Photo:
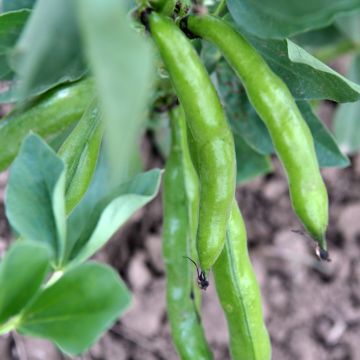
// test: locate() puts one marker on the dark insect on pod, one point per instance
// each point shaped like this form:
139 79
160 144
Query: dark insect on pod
202 281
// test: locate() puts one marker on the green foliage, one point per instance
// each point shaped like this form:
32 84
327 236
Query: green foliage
38 63
20 283
35 203
280 19
123 70
77 308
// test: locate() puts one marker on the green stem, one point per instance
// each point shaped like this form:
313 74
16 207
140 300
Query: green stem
334 51
221 8
10 325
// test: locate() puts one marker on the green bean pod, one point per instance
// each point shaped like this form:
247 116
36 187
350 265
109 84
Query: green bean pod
52 112
275 105
180 203
80 153
239 295
215 155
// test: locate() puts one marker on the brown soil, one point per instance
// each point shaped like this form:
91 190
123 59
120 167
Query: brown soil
312 309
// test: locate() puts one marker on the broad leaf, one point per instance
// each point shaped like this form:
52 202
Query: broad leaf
90 227
49 49
280 19
11 5
250 163
347 117
11 25
307 77
327 150
121 61
34 202
22 272
78 308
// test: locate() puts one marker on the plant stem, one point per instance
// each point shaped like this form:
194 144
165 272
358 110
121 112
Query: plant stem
220 8
10 325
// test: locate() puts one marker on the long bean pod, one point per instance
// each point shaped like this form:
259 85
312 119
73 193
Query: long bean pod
180 203
275 105
215 155
239 295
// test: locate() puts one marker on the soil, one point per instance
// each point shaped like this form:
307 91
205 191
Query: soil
312 309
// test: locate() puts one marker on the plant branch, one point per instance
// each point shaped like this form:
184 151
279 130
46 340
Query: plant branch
221 8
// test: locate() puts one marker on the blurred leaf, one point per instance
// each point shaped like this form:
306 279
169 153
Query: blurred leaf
350 26
327 150
90 227
210 55
22 272
346 123
250 164
34 201
161 133
307 77
121 61
11 5
279 19
78 308
11 25
49 50
320 37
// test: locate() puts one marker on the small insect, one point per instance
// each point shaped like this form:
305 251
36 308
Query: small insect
202 282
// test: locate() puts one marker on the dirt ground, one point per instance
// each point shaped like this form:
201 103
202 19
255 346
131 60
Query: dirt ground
312 309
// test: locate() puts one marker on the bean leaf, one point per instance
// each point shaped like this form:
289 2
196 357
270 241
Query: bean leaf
22 272
78 308
280 19
35 204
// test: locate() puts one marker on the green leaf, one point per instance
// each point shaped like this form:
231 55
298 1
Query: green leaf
11 25
78 308
307 77
280 19
327 150
121 61
250 164
34 201
350 26
49 49
22 272
346 123
90 227
11 5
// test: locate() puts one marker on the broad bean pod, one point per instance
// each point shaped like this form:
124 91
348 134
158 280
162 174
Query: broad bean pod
51 113
239 295
180 204
214 145
80 152
275 105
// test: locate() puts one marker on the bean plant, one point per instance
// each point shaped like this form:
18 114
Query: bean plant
222 87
